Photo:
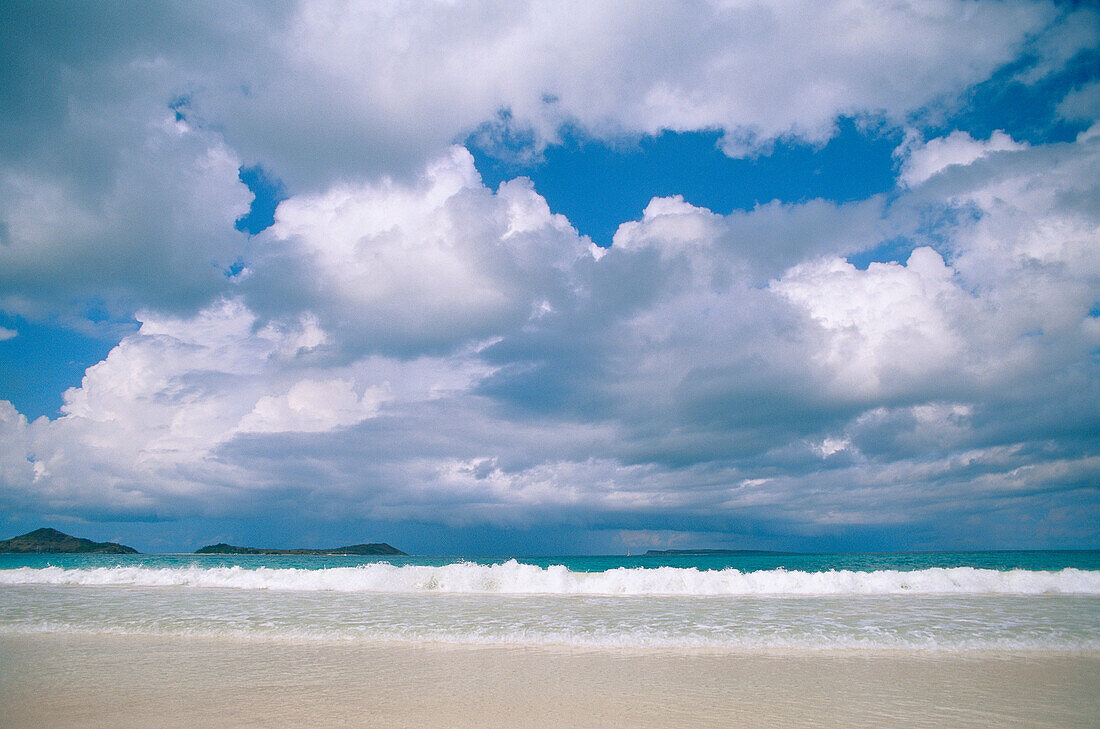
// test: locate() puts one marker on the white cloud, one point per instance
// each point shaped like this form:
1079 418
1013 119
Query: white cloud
922 161
886 326
400 81
671 221
1082 103
156 231
666 377
175 389
1076 31
422 266
15 468
410 344
398 84
152 420
1030 254
6 334
107 196
831 446
312 406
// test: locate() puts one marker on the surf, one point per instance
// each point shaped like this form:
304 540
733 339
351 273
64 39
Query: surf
514 577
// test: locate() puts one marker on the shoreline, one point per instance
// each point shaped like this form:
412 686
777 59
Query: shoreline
84 680
734 652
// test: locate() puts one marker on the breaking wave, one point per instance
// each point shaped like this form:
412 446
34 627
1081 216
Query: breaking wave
513 577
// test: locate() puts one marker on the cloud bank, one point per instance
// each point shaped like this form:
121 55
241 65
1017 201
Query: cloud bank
406 344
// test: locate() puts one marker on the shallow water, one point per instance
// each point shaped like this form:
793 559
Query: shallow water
1034 602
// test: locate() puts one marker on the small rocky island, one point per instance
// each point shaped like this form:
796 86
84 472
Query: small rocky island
51 541
353 549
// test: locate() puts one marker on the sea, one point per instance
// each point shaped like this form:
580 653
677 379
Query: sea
1038 601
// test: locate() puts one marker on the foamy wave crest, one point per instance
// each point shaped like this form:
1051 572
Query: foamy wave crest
514 577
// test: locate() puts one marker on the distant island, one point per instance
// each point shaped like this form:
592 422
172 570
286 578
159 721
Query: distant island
354 549
707 552
51 541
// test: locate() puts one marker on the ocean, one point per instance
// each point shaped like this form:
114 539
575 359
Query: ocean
947 602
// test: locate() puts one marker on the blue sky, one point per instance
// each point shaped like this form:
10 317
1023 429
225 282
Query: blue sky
518 278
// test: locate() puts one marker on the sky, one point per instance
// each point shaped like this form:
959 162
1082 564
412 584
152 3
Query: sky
507 277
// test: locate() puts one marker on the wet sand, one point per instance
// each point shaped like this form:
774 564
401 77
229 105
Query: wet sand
60 681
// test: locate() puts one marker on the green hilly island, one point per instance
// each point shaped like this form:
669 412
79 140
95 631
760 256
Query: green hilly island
353 549
51 541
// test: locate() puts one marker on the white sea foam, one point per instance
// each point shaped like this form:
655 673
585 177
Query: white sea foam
613 640
513 577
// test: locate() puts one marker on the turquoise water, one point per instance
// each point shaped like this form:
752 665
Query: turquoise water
948 601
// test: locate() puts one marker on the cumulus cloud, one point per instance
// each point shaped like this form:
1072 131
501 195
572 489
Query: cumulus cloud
958 148
15 469
405 343
417 267
887 327
150 418
977 346
158 231
312 406
6 333
674 374
396 82
106 195
123 127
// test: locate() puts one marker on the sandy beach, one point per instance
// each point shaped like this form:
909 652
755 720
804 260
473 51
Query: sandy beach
90 681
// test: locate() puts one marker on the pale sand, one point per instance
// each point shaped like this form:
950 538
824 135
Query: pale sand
61 681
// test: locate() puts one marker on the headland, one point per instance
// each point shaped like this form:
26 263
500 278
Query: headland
51 541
